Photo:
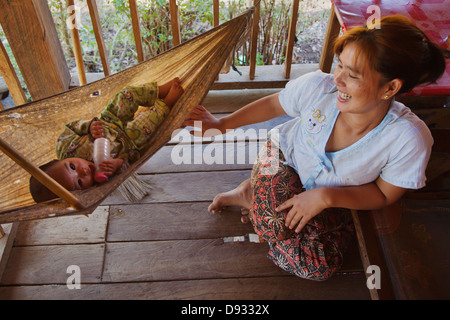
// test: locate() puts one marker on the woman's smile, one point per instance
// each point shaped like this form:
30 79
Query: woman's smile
343 97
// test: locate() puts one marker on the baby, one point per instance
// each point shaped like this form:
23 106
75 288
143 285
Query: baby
127 130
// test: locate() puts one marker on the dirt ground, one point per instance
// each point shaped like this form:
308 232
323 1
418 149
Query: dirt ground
311 26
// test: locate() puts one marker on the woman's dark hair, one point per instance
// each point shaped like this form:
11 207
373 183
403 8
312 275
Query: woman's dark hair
397 50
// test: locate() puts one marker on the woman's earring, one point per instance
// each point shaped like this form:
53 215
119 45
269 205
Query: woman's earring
386 97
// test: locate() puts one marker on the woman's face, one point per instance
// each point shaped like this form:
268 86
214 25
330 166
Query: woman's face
359 89
73 173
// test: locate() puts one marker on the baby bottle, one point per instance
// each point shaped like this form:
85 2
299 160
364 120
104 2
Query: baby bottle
101 153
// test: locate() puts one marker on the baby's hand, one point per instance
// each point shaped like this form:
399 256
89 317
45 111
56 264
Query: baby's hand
96 129
109 167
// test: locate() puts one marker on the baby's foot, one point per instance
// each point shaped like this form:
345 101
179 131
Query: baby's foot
175 92
165 88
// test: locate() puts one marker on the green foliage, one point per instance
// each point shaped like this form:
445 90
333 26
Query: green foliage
195 17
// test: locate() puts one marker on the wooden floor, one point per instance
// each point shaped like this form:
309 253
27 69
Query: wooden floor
168 246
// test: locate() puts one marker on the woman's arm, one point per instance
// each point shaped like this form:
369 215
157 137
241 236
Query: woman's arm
371 196
258 111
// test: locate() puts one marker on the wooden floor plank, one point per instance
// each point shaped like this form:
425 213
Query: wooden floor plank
186 259
173 221
177 221
339 287
186 187
64 230
48 264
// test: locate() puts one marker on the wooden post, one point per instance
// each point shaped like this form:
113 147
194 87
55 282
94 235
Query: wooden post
10 77
31 33
6 243
40 175
333 29
174 19
136 30
291 39
371 254
254 40
93 11
216 7
76 42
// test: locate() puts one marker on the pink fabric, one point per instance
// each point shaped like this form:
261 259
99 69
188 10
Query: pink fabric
432 16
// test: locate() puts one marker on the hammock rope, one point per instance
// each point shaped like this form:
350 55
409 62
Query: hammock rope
28 133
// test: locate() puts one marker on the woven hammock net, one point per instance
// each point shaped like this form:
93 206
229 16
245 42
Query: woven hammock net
32 129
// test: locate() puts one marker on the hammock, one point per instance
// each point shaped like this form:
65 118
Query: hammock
32 129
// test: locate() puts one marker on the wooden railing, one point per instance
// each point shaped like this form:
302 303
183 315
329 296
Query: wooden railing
174 16
17 92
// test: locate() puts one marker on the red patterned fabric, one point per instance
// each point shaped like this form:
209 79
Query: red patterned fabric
316 252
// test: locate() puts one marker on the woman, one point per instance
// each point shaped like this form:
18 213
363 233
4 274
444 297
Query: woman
350 145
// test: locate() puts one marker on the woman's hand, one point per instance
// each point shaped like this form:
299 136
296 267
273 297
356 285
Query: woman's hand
109 167
203 119
304 207
96 129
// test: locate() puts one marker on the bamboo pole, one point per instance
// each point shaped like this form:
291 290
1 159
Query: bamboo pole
95 17
41 176
136 30
174 20
254 39
291 38
10 77
76 44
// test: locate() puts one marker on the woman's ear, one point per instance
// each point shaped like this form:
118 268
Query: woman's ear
392 87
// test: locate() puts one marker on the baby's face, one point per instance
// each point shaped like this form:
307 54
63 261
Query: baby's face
73 173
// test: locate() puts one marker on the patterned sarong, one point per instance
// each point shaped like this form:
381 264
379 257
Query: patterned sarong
317 251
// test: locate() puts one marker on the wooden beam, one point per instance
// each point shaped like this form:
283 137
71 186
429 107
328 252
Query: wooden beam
372 255
6 242
93 11
136 30
31 33
76 43
174 19
291 39
333 29
10 77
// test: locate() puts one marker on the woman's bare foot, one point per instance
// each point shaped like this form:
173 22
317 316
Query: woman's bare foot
240 196
175 92
165 88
